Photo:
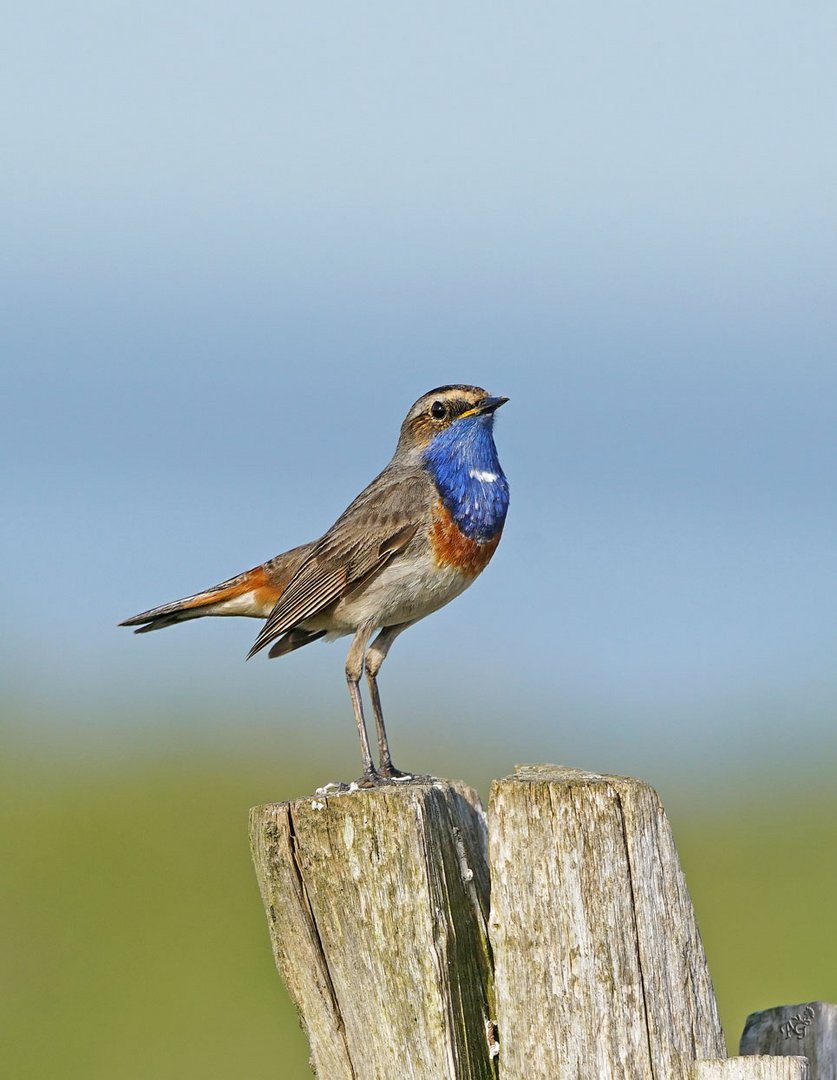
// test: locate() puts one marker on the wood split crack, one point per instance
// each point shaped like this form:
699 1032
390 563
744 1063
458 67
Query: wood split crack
316 933
636 930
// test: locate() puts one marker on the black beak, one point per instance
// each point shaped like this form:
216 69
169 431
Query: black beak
489 404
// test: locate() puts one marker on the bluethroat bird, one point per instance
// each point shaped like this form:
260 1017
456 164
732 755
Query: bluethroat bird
414 539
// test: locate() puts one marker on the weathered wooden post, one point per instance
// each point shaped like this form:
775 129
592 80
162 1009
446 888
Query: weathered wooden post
588 967
753 1068
599 967
809 1029
377 905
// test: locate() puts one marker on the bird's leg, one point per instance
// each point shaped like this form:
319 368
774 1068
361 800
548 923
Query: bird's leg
354 670
374 658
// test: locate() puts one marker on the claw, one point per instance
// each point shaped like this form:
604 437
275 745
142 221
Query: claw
391 773
371 779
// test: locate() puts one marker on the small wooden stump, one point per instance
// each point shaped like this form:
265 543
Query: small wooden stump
753 1068
377 905
809 1029
599 967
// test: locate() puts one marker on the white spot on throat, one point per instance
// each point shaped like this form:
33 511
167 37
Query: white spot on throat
482 474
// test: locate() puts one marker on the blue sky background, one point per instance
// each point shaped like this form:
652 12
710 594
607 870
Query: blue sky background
239 241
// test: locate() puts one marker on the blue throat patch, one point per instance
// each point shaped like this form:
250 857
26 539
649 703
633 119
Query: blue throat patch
463 462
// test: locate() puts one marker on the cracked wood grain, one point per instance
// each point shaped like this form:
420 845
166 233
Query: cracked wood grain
599 967
752 1068
377 906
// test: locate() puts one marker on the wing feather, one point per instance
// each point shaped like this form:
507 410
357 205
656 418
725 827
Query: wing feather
375 529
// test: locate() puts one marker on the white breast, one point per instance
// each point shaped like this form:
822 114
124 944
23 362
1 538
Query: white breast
405 590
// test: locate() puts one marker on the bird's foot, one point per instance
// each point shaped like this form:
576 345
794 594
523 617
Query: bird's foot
389 772
370 779
396 776
376 778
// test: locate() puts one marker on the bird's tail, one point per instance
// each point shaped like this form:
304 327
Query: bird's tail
253 593
249 593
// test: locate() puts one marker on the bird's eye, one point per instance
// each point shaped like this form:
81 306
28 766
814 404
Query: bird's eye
438 410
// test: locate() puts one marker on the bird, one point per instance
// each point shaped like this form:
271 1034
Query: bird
414 539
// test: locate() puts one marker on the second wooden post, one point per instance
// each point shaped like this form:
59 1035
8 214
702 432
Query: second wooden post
599 967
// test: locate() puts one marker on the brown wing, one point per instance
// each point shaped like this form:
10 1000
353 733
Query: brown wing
375 528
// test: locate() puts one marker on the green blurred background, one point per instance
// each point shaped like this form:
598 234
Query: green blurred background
136 946
238 242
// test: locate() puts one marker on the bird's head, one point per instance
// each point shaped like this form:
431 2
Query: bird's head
447 409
